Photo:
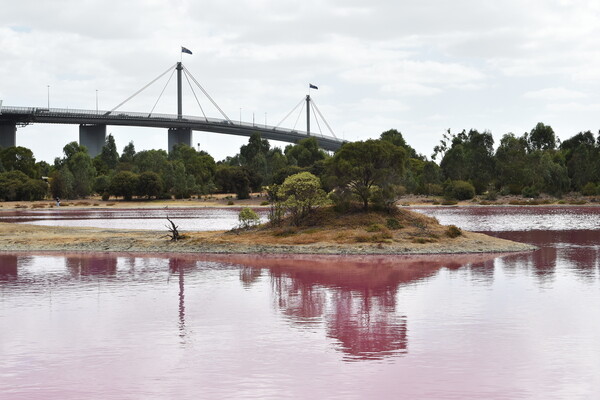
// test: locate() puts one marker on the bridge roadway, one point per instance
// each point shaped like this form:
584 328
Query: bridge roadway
10 117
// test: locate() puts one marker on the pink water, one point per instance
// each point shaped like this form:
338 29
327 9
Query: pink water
125 326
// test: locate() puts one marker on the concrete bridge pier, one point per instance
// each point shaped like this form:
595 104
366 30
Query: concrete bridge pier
179 135
8 134
93 137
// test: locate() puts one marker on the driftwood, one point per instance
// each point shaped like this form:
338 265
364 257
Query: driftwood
173 231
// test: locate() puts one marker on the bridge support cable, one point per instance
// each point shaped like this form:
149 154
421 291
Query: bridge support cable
299 115
290 113
196 97
207 95
312 106
142 89
323 118
161 93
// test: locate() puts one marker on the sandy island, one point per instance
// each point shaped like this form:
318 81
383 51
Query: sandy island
367 235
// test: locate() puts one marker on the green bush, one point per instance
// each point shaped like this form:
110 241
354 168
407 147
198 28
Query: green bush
491 195
459 190
590 189
248 218
393 224
530 192
300 194
463 190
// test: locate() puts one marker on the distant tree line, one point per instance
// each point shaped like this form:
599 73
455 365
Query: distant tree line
370 173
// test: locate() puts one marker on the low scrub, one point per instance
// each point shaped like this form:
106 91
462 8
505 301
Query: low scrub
453 231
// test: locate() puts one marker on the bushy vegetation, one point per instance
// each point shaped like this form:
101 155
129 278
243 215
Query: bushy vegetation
247 218
370 174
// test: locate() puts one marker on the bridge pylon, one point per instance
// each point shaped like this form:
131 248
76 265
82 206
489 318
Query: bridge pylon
179 92
92 136
178 136
8 134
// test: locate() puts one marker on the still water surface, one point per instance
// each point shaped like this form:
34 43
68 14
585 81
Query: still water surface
124 326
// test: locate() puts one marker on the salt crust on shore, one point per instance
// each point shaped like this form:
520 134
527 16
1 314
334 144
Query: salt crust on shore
21 237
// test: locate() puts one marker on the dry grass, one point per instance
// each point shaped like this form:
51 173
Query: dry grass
328 227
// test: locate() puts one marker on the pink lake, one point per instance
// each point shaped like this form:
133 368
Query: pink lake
126 326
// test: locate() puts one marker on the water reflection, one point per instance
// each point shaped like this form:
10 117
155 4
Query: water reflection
578 251
178 266
91 265
8 267
352 299
355 298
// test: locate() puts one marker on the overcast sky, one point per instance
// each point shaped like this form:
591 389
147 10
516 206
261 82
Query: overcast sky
417 66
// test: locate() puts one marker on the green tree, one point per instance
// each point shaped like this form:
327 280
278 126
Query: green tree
72 148
542 137
149 184
61 183
84 174
470 157
128 154
16 186
199 164
19 158
305 153
512 163
360 166
123 183
301 193
102 184
108 158
248 218
177 182
395 137
152 160
253 156
582 161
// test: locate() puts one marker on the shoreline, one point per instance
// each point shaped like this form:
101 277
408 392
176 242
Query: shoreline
25 237
257 201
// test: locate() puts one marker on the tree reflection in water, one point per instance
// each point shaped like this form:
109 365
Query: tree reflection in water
8 267
83 265
355 297
178 266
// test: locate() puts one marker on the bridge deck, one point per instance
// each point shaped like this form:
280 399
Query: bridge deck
30 115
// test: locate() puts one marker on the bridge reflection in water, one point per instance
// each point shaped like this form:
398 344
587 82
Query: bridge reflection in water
351 299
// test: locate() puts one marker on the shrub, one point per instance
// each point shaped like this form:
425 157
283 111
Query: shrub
462 190
453 231
491 195
433 189
449 203
530 192
301 193
393 224
590 189
248 218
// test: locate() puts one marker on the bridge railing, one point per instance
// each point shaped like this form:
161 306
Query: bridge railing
103 115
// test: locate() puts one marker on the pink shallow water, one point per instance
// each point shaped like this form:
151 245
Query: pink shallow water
125 326
188 219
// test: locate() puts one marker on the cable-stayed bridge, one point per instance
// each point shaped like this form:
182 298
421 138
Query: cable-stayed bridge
93 123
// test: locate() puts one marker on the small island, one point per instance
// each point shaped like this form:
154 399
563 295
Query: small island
349 205
324 232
